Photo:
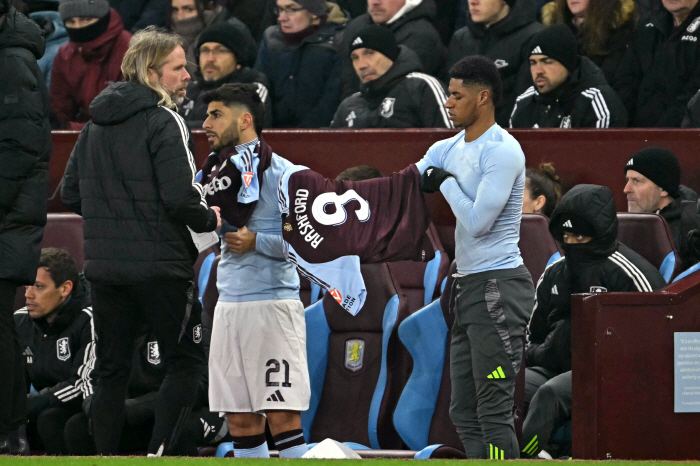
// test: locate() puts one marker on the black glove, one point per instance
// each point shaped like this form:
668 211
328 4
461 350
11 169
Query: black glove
432 179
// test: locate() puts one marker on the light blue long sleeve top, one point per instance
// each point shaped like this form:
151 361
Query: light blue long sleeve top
486 197
264 273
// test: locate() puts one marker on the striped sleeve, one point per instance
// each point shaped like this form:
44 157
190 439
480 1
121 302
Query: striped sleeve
438 93
529 92
639 280
600 107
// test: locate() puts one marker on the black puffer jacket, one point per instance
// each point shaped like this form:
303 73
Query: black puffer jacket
194 110
682 217
401 98
661 70
131 177
506 42
584 100
602 265
25 148
415 30
60 356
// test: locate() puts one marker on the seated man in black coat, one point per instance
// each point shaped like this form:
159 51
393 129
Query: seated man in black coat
394 93
653 177
57 335
585 223
224 54
569 91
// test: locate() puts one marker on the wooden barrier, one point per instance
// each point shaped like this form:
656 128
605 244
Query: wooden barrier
623 374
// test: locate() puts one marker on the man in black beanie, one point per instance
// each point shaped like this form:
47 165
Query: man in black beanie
225 52
394 93
653 177
569 90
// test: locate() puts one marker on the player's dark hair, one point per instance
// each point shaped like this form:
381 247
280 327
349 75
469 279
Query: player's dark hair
60 265
245 95
544 181
479 70
359 173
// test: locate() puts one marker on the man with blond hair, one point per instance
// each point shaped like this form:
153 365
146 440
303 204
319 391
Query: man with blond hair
132 177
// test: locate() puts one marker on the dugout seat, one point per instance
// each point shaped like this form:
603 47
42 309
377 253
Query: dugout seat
357 365
422 413
210 295
650 236
421 282
537 246
202 268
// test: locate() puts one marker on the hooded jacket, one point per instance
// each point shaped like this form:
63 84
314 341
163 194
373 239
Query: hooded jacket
25 148
82 71
584 100
661 69
619 39
601 265
60 355
506 42
55 36
414 29
403 97
304 78
131 176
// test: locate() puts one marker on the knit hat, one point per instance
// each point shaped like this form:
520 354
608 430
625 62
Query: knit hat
231 37
83 8
315 7
660 165
377 38
558 42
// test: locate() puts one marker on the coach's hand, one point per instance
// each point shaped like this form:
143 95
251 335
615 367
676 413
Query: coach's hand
240 241
432 179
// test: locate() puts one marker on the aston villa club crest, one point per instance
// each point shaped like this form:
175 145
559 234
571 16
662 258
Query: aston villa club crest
62 349
197 333
247 178
694 25
336 295
598 289
388 107
354 354
287 227
153 353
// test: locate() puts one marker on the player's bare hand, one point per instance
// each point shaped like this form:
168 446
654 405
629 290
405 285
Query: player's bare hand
240 241
217 209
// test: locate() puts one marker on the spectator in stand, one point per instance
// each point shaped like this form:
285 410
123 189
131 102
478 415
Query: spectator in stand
250 12
542 190
138 14
394 93
359 173
569 92
411 23
88 62
187 19
605 28
653 177
57 335
500 30
661 69
25 150
224 56
585 224
55 36
300 58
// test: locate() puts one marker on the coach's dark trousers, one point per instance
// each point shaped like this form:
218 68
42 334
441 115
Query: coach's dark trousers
174 316
13 394
491 312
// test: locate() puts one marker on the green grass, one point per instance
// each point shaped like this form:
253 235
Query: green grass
141 461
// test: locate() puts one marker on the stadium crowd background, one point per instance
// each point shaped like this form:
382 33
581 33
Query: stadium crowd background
641 58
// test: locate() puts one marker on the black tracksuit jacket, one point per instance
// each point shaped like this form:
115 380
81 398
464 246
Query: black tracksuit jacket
60 357
661 70
131 177
602 265
403 97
